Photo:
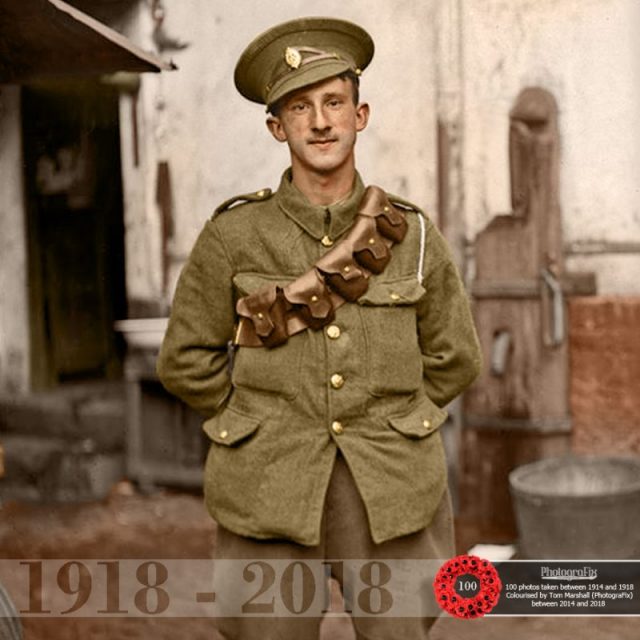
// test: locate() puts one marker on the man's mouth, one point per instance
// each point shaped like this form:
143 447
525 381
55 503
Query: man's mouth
322 142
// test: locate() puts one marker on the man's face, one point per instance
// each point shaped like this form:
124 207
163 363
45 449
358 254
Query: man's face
320 123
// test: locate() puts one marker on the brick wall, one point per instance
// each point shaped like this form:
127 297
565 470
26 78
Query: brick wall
605 374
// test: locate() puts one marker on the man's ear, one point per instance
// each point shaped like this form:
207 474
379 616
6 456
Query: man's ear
362 116
274 124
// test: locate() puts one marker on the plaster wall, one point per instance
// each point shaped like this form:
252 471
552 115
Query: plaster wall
139 136
14 319
586 53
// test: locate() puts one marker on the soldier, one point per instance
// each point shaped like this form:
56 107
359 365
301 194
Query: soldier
350 330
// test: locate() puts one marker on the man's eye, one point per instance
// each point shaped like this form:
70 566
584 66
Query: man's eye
298 107
334 103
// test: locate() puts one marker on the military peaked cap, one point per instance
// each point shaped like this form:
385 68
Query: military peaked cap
299 53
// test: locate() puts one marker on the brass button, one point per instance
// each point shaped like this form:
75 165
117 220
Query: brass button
260 315
224 434
314 298
333 331
395 296
337 381
260 193
372 240
337 427
426 424
326 241
387 209
347 269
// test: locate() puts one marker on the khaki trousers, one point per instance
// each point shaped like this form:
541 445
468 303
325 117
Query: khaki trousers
345 535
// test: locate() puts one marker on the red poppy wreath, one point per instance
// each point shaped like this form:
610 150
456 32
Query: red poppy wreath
467 586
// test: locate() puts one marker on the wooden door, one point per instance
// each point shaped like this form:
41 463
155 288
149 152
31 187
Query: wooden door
76 259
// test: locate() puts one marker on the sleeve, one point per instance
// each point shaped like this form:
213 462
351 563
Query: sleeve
193 359
451 354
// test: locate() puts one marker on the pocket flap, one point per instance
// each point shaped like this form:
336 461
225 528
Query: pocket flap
421 421
230 427
249 282
392 292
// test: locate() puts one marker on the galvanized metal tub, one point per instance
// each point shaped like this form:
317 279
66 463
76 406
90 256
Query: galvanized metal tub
578 507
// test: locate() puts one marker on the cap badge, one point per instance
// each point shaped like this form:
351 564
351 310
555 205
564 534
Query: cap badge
292 57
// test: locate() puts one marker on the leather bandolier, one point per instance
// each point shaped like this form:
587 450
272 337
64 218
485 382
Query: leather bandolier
270 315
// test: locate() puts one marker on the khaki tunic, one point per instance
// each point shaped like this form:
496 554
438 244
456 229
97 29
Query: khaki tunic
402 352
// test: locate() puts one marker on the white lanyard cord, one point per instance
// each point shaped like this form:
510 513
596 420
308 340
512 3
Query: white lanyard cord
423 236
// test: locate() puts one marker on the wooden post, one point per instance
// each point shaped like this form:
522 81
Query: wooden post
518 410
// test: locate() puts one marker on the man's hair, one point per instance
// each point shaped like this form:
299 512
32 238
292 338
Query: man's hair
276 107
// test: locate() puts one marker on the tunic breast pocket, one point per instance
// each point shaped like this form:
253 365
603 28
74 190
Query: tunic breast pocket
390 321
274 370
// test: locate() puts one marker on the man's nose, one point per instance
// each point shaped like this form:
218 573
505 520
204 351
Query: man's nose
319 120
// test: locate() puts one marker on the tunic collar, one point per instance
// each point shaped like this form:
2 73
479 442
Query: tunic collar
313 218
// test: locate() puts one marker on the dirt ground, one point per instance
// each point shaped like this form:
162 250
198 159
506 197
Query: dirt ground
175 526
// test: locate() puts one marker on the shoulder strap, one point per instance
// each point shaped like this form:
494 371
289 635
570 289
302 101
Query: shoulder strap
256 196
401 203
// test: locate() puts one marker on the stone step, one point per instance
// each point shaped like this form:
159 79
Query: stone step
63 445
93 412
55 470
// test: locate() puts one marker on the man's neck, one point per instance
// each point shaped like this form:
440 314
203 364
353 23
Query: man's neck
321 189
